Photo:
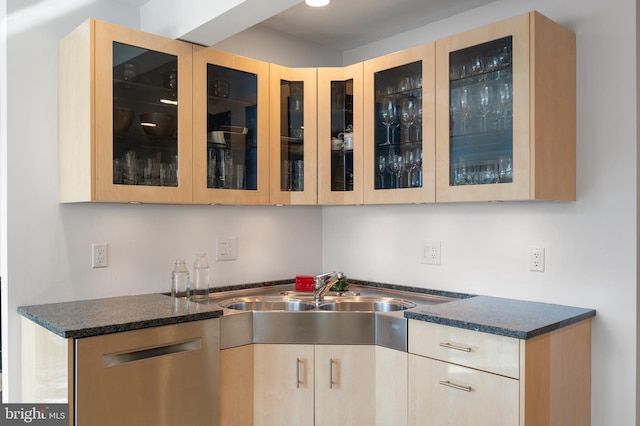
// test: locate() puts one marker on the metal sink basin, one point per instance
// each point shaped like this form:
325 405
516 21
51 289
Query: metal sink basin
363 304
260 303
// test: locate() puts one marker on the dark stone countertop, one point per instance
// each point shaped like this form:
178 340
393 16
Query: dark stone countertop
87 318
506 317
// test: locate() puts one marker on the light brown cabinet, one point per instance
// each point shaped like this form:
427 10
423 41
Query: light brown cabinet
293 158
505 112
399 127
231 129
298 384
340 135
124 116
463 377
485 115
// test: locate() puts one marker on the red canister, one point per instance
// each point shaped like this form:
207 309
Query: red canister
304 282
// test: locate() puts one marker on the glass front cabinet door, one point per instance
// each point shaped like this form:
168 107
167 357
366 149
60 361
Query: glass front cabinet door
506 112
399 127
231 129
340 135
293 156
125 116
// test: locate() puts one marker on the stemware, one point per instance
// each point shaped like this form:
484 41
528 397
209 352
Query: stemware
388 115
417 158
417 120
507 102
407 114
381 167
486 98
397 167
465 107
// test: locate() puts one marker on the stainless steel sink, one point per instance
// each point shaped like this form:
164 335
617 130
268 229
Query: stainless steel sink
261 303
364 304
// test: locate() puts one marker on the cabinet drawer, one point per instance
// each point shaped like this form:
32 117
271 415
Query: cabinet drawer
488 352
451 395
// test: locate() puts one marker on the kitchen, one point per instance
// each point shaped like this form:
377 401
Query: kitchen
484 245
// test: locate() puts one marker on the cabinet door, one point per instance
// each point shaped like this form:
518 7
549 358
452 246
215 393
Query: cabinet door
340 135
451 395
293 156
391 387
399 129
284 385
231 129
506 112
345 385
236 386
125 118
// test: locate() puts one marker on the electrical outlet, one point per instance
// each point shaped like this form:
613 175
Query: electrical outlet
430 252
226 248
536 259
99 255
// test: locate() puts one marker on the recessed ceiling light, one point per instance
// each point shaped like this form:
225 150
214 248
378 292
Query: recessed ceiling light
317 3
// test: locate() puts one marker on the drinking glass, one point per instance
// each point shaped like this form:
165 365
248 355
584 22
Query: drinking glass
506 99
397 167
486 99
417 120
381 167
407 115
465 107
388 115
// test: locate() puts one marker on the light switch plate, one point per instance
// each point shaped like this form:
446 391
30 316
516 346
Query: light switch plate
226 248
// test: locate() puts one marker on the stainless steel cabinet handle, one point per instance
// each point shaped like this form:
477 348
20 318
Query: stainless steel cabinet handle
455 386
297 372
456 347
330 373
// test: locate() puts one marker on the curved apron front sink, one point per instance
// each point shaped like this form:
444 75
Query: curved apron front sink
266 304
363 304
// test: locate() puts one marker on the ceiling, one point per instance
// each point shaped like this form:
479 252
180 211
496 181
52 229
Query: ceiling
347 24
343 24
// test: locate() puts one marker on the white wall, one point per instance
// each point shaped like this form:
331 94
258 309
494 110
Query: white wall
49 244
591 245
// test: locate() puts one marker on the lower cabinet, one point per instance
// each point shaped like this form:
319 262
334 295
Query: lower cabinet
460 377
449 394
311 385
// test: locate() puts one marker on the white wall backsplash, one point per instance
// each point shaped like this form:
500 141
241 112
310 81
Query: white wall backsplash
591 245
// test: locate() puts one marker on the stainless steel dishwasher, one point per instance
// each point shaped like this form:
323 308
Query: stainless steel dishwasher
160 376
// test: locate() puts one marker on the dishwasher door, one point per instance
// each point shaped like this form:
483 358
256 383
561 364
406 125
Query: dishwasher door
160 376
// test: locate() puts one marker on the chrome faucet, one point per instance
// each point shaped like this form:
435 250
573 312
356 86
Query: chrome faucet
323 282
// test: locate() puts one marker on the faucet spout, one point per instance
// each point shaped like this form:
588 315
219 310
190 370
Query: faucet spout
323 282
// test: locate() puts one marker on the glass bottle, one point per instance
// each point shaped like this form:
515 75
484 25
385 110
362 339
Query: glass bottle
180 280
200 289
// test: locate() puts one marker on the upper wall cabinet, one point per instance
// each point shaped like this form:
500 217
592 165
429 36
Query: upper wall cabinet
293 157
340 135
231 128
124 116
505 110
399 127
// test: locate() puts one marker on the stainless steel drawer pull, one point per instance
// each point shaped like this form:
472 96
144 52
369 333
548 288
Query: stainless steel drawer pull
455 386
456 347
112 360
298 373
330 373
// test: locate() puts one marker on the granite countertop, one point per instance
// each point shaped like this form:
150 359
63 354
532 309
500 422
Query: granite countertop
87 318
506 317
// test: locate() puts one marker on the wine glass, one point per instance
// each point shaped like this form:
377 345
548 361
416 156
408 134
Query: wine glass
381 167
417 158
506 99
397 167
486 98
388 115
410 165
417 120
407 115
465 107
